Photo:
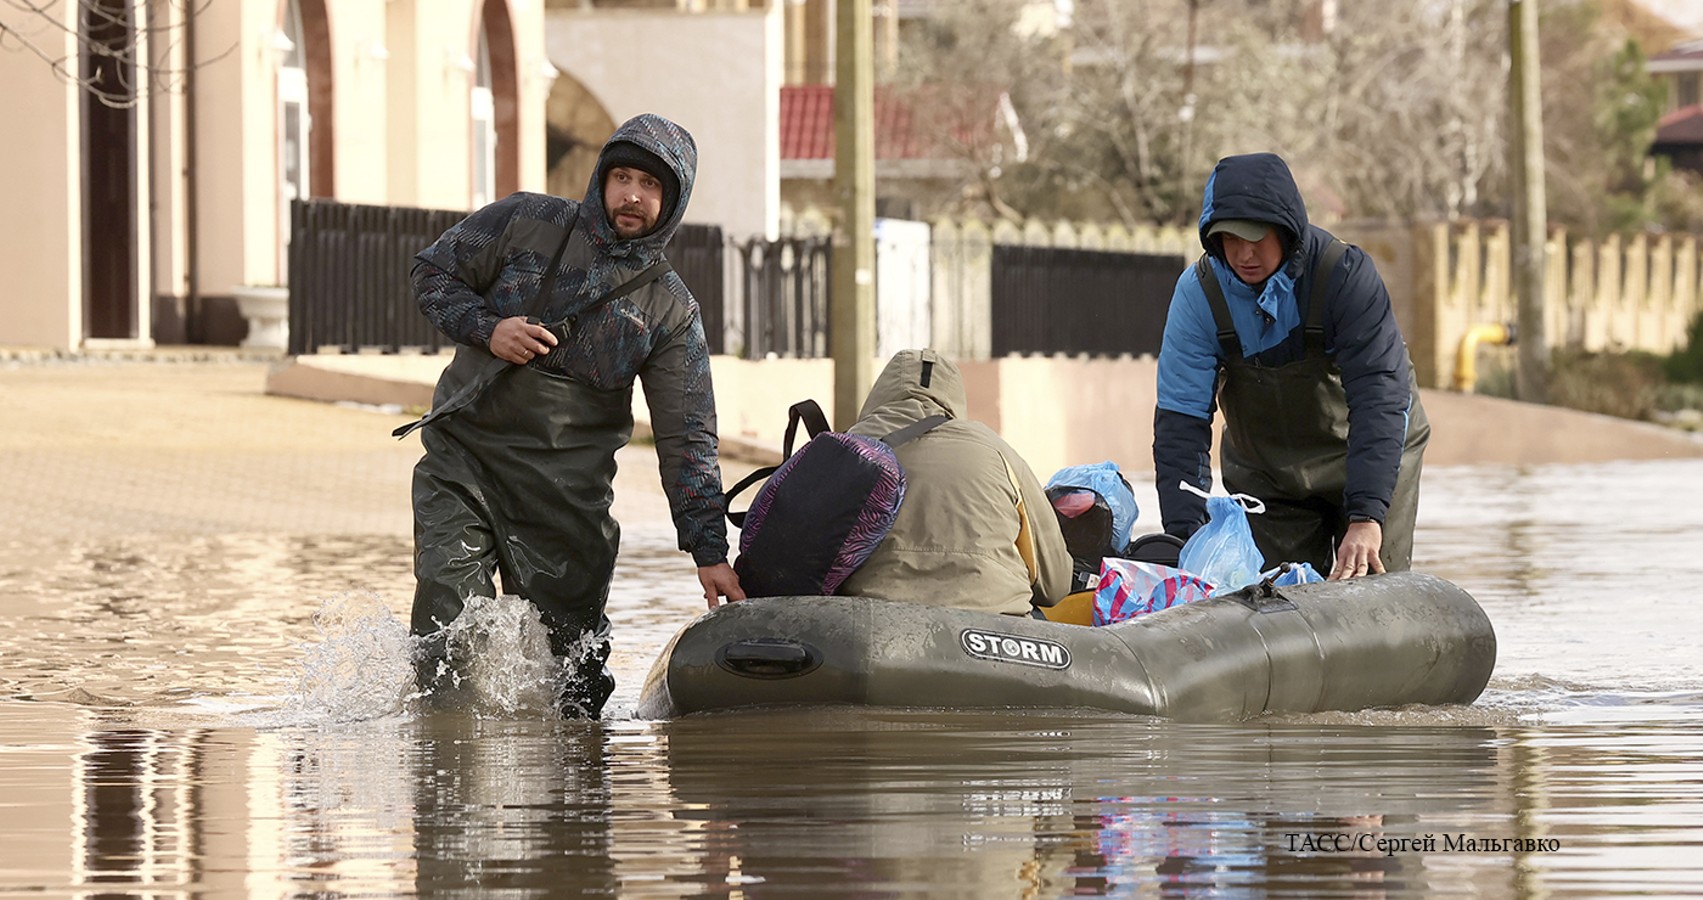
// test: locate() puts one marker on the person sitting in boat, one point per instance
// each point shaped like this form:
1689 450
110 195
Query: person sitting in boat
975 529
1291 331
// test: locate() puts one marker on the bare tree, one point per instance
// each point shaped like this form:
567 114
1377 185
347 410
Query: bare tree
121 50
1394 110
954 68
1417 93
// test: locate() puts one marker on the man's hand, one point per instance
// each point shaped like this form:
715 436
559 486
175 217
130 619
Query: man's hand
517 341
1358 553
719 580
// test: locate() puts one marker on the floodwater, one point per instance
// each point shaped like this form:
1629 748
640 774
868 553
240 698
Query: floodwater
230 716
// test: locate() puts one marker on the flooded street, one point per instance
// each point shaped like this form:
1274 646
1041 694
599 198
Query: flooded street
229 714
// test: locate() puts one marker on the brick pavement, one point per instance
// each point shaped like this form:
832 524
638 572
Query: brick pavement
188 442
96 447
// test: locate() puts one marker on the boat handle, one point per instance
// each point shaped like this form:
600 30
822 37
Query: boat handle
768 658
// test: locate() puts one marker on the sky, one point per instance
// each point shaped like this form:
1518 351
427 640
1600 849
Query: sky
1687 14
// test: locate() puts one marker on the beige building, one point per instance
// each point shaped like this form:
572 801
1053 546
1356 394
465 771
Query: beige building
151 200
157 145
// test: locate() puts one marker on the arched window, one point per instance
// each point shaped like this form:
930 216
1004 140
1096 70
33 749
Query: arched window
294 124
484 118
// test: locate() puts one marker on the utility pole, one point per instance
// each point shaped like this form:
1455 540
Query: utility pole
851 299
1531 212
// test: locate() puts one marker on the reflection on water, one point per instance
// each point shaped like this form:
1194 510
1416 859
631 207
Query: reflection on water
234 715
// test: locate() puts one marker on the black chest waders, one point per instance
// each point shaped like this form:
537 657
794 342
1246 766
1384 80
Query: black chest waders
518 478
1286 440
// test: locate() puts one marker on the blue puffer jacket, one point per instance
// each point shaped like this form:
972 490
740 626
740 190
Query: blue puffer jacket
1360 334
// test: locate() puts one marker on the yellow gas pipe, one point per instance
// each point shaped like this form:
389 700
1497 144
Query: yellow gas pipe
1466 358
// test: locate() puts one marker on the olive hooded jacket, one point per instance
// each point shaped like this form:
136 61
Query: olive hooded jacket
975 530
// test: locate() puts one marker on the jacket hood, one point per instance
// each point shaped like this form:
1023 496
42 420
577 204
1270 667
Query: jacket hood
674 145
915 384
1256 186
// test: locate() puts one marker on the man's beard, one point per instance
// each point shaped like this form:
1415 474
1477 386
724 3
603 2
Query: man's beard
638 213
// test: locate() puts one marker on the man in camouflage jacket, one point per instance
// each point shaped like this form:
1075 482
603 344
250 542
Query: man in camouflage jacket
519 479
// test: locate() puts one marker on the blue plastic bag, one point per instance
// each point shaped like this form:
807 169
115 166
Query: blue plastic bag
1103 479
1223 551
1292 573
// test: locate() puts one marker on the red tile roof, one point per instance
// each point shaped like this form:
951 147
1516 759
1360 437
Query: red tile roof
1682 126
807 125
1690 50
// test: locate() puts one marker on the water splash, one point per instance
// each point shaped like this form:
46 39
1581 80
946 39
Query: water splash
361 667
499 660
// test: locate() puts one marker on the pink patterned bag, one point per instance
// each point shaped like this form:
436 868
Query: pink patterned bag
1129 588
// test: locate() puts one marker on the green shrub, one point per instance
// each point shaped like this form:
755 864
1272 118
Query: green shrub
1686 364
1615 384
1676 396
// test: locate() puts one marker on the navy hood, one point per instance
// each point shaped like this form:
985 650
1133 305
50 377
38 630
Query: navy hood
675 147
1256 186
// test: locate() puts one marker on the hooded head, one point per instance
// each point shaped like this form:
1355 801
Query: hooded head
1246 193
628 155
915 384
652 144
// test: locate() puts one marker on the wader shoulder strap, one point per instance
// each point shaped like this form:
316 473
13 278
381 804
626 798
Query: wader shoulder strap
495 367
544 287
1323 268
1227 338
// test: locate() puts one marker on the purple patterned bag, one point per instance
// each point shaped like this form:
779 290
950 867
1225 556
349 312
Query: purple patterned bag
823 510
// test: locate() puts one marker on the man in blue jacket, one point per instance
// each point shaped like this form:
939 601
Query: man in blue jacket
1291 331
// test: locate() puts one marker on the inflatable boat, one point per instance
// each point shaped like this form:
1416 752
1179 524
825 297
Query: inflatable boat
1379 641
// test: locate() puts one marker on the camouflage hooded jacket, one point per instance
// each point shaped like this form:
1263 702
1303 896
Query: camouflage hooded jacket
490 265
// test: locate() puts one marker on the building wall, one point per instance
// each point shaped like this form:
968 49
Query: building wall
358 27
1054 411
39 179
169 192
398 116
717 74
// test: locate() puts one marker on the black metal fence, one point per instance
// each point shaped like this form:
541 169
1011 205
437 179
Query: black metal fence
349 289
1095 302
349 266
698 253
785 291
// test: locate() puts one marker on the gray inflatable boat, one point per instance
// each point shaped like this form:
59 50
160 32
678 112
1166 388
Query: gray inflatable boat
1379 641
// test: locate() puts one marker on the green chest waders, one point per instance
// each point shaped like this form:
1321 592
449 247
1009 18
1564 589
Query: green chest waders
518 478
1286 441
522 482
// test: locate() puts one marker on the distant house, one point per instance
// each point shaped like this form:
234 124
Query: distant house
927 144
1679 134
1679 138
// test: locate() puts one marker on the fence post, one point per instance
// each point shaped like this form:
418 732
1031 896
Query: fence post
1635 285
975 280
1609 262
1581 293
1685 306
1430 293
